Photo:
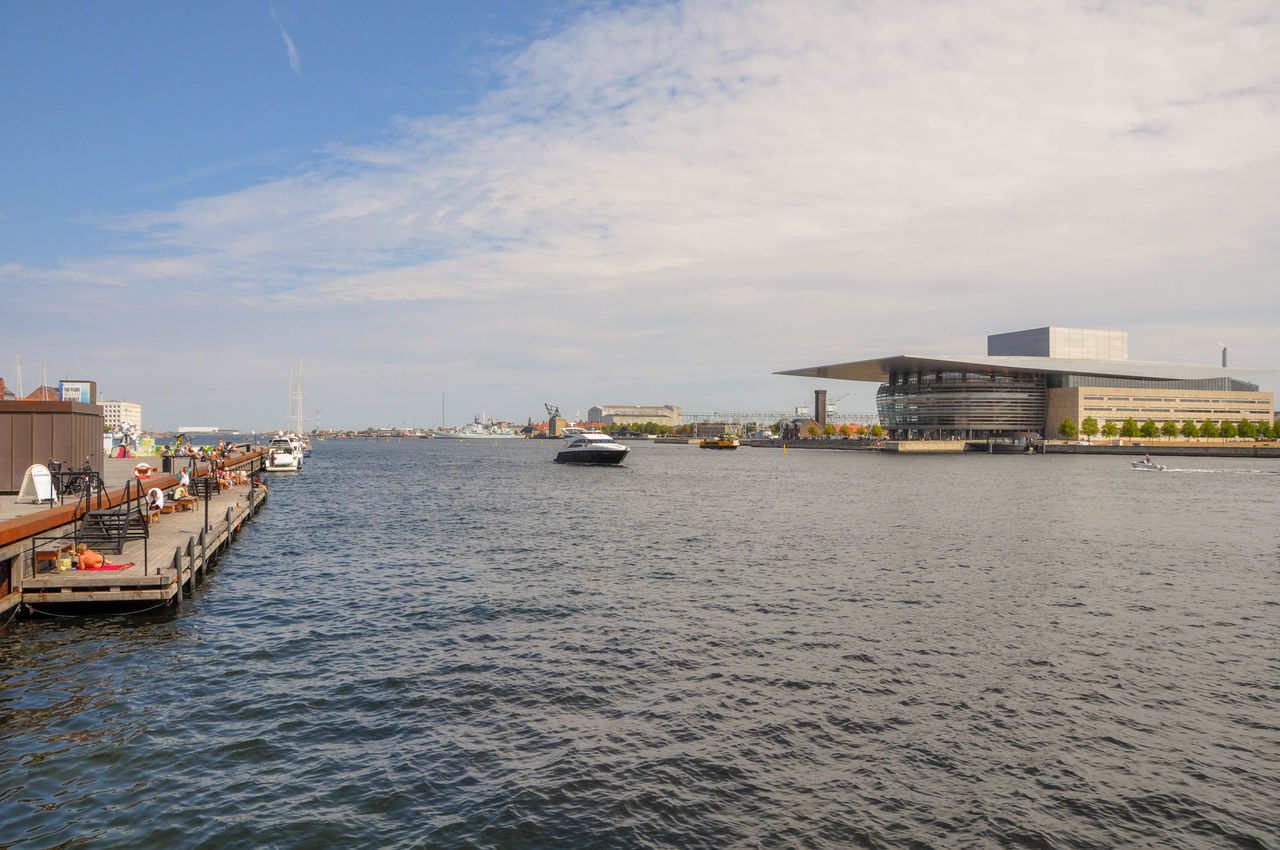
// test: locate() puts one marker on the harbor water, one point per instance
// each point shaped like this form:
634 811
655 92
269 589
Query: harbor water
463 644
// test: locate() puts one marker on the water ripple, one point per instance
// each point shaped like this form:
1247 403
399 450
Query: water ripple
701 650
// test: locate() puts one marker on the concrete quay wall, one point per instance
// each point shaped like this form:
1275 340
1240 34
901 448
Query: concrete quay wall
1210 449
900 446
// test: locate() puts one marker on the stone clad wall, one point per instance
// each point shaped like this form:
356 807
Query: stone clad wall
1160 405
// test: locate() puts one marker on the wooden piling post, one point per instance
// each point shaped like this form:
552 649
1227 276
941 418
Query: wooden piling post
177 570
204 556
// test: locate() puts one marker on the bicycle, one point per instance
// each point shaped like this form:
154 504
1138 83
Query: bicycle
71 482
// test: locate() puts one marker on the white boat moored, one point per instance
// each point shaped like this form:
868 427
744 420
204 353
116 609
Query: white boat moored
283 455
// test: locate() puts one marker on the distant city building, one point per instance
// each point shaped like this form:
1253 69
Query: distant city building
1032 380
637 414
45 394
7 394
115 412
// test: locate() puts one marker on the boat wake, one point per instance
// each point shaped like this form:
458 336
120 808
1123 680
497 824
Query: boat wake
1225 471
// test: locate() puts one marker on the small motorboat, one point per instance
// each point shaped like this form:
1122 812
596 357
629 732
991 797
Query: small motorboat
593 447
1147 465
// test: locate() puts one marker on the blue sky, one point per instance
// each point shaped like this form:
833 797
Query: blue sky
602 203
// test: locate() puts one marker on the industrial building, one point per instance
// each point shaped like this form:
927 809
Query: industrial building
1029 381
637 414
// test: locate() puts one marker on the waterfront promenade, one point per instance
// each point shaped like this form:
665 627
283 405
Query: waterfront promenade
168 563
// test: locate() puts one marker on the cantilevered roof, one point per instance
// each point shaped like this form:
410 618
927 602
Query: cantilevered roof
878 370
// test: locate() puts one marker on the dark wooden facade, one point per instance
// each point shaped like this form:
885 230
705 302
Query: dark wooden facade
40 431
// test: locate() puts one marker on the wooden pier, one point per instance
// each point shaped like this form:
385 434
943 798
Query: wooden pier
167 564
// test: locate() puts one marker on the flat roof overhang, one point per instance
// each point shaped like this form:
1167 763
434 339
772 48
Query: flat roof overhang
878 369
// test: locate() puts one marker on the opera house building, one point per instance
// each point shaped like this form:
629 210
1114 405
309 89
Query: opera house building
1029 381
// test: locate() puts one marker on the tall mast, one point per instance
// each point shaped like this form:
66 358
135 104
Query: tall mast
298 402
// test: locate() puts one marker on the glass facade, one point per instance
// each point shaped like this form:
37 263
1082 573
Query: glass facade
937 405
919 404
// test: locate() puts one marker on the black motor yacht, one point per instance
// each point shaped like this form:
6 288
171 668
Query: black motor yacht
593 447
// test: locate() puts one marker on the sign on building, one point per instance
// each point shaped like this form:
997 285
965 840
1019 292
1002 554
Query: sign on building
84 392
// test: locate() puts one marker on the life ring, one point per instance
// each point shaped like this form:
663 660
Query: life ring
142 470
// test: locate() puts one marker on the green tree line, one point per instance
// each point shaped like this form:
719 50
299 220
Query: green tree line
1089 427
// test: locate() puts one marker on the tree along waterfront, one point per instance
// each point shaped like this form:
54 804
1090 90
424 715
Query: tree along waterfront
1225 429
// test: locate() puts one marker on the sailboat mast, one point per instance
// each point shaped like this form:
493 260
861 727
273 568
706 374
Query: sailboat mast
298 401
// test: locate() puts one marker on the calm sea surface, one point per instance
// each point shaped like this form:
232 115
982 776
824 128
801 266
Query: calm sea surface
463 644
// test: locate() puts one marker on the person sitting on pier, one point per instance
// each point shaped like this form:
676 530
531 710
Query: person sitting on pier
155 503
86 558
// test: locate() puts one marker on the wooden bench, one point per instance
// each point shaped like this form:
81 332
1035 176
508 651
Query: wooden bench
54 553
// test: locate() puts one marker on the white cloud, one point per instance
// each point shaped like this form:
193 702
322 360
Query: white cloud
797 181
294 62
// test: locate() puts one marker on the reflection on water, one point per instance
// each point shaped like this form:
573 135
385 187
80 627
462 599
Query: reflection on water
444 644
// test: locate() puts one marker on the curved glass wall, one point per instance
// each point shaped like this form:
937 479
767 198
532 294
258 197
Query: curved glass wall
937 405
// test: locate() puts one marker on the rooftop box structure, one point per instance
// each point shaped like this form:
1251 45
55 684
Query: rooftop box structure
1064 343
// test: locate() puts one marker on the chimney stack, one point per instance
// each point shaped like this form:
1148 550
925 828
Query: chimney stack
820 407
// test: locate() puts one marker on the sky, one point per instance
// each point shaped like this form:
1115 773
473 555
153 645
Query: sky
480 207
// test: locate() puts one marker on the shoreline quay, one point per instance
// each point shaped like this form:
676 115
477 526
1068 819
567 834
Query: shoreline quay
1140 448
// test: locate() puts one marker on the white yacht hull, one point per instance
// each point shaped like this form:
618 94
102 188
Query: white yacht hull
281 463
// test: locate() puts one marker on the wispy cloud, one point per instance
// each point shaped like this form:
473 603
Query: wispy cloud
294 62
710 137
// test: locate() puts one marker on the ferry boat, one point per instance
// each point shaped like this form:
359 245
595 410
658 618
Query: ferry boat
728 441
593 447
